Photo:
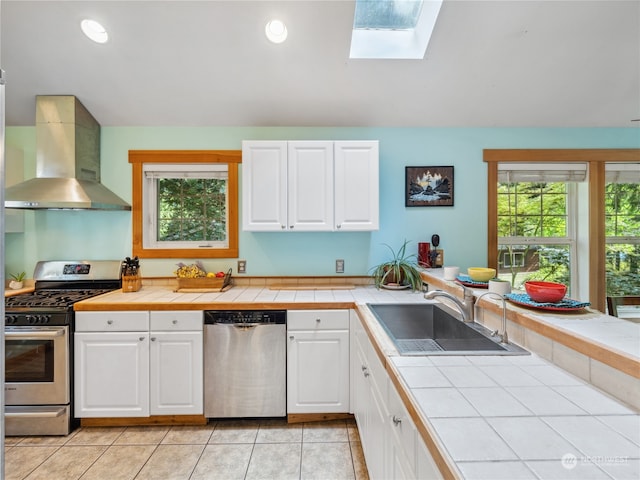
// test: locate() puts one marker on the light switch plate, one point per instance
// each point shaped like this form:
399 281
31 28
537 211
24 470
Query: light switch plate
339 266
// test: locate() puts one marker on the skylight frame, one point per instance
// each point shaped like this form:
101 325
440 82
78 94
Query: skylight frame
397 43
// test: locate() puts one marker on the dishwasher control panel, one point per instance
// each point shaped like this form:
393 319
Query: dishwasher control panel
268 317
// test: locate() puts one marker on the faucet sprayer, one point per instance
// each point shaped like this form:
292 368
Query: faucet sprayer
503 336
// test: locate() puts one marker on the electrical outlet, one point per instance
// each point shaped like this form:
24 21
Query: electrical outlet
339 266
242 266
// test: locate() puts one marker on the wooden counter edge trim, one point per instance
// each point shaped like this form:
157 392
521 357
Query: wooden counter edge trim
88 306
592 349
444 464
144 421
317 417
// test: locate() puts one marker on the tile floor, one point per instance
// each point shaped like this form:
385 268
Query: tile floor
224 449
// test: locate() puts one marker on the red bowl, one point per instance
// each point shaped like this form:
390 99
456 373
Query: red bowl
545 292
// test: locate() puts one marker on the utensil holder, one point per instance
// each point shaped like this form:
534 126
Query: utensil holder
131 283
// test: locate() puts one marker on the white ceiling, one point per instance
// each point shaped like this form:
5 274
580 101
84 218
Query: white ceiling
207 63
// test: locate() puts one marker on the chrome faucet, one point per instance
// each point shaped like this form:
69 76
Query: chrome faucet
465 305
503 336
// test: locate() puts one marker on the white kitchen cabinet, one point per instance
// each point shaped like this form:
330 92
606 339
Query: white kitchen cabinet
111 364
309 185
356 185
370 409
14 168
390 441
136 364
318 361
176 363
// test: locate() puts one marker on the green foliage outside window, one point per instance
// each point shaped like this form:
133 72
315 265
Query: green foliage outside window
622 219
533 210
192 209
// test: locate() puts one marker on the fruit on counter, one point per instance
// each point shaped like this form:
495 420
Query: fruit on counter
195 270
220 274
211 275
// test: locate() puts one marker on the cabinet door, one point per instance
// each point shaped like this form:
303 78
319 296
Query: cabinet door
175 373
356 185
264 185
318 371
402 438
310 186
111 372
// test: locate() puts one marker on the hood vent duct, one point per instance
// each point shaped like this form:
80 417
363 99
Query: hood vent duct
67 161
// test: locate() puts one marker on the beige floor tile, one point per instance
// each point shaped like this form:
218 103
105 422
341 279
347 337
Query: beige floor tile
12 440
188 435
235 432
142 436
68 462
334 431
359 463
275 461
171 462
224 462
53 440
96 436
120 462
20 461
279 431
326 460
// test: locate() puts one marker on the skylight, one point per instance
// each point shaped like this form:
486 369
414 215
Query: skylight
393 28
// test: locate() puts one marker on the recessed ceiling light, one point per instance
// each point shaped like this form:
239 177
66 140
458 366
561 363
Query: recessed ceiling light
276 31
94 31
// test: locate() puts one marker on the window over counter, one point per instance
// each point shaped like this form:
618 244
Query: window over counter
599 246
185 203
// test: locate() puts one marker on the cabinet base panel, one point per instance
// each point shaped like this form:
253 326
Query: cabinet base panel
140 421
316 417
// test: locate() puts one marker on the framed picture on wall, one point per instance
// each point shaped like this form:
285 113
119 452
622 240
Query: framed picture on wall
428 186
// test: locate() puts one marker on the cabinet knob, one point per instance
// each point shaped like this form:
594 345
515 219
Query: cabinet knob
339 226
141 339
365 370
175 322
396 421
283 226
291 227
318 320
153 339
291 337
109 322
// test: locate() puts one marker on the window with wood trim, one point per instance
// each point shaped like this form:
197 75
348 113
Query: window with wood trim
596 159
185 203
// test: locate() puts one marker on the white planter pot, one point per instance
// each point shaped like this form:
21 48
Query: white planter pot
14 285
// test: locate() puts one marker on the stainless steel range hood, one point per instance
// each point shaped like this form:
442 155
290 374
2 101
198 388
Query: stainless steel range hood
67 161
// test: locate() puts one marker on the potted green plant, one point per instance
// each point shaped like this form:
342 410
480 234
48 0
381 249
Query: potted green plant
399 272
18 280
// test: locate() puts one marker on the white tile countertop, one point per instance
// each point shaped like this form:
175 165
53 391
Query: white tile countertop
495 417
520 417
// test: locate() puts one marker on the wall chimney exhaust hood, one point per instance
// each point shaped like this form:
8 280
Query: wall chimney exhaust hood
67 161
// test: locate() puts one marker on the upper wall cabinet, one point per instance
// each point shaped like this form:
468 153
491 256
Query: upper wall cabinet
309 185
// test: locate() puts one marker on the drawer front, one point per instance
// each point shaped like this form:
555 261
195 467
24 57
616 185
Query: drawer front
112 321
318 320
179 320
402 424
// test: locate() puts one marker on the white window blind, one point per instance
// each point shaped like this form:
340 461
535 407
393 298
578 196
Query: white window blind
622 172
542 172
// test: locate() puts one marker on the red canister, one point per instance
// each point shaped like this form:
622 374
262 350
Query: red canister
424 260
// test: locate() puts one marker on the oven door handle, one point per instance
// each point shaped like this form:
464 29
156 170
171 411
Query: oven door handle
14 335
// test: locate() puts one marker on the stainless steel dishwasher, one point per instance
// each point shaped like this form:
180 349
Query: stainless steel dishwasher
245 363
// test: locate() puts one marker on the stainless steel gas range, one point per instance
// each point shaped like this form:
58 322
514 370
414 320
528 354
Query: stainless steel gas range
39 330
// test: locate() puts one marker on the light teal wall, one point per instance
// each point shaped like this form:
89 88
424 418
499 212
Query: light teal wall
462 228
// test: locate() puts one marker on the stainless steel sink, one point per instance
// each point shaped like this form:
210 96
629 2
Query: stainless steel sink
429 329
